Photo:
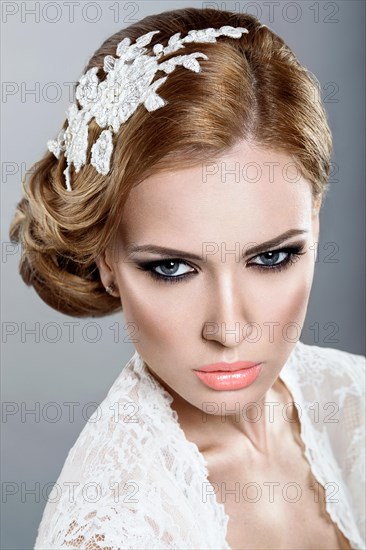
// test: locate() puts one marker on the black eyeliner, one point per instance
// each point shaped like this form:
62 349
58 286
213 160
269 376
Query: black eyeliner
294 252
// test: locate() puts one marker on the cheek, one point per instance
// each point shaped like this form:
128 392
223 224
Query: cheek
284 303
154 325
296 302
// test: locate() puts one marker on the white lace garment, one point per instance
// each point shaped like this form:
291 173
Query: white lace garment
133 480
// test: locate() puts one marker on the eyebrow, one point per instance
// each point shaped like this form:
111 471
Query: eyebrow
170 252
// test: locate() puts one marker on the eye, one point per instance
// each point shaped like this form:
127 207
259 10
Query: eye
169 272
269 259
169 267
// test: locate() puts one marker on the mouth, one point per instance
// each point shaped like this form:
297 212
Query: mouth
231 379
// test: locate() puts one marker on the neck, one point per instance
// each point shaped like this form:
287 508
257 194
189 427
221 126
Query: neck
255 429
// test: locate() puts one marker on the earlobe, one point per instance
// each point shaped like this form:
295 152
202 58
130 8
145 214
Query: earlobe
105 271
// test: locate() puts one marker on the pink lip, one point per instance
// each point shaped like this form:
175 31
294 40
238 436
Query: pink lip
230 379
227 367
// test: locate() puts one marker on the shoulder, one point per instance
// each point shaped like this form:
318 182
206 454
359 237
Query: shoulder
330 367
104 477
113 486
330 384
328 380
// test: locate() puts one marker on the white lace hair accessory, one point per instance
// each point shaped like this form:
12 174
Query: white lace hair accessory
127 85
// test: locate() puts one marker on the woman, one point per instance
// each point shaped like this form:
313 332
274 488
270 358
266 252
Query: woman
223 430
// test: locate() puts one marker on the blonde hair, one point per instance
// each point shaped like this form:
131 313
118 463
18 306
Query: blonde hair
252 88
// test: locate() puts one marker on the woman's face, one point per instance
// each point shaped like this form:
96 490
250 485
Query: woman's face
218 306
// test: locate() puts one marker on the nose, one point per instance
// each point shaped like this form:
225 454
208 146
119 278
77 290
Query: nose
228 320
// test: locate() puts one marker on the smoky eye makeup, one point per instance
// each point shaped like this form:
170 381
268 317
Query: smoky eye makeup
271 261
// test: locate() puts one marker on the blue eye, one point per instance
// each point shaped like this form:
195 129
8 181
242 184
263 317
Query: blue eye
170 266
169 276
268 259
268 263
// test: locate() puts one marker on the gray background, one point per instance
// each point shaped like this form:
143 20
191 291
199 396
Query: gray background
39 372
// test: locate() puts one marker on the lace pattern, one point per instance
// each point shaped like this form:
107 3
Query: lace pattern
137 480
334 447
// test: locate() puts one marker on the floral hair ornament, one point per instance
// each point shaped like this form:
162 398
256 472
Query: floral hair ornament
127 85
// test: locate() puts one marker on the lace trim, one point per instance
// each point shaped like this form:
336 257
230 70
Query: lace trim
106 449
317 445
218 508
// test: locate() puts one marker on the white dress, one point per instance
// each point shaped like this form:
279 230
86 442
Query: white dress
133 480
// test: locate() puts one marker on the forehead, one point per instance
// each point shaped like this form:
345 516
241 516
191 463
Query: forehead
255 190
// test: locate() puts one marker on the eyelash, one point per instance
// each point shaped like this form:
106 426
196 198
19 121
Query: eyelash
293 252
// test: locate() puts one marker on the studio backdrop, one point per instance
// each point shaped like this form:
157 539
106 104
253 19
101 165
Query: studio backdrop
56 369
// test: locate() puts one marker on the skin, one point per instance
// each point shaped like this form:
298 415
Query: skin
201 320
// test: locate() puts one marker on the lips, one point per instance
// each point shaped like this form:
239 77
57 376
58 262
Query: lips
230 379
227 367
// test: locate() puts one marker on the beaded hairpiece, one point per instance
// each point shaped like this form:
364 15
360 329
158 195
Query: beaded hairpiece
128 84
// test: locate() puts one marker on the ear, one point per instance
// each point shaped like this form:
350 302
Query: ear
105 267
